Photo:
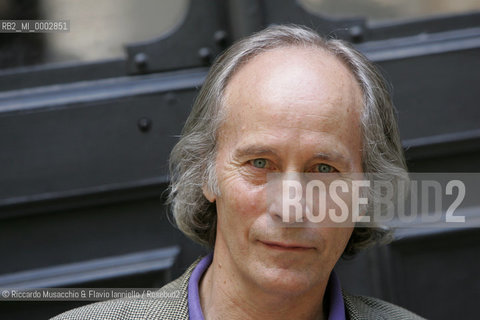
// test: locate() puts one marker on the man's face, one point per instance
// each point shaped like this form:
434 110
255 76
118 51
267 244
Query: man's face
284 108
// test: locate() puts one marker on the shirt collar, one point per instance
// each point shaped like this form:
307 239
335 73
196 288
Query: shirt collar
334 298
194 308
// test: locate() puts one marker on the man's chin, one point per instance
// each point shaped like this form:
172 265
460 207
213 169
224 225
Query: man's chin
292 281
286 283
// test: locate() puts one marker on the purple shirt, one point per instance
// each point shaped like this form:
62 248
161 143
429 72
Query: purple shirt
333 293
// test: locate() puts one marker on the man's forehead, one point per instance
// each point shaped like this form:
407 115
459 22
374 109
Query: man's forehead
292 75
295 99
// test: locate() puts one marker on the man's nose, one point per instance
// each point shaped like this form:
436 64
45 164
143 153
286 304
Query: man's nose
286 198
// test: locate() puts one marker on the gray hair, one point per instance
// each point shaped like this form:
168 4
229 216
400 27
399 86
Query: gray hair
192 161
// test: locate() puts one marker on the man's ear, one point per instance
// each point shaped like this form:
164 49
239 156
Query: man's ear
208 193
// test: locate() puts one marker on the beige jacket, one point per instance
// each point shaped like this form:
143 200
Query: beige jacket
174 305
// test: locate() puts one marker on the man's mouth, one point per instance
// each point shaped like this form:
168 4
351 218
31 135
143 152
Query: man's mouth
285 246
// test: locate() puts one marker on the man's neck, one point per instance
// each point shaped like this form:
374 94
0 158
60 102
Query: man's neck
225 295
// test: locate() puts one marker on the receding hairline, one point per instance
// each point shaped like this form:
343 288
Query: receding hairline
353 109
322 47
359 106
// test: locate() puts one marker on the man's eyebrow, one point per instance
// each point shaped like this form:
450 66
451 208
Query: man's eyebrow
258 150
253 150
333 156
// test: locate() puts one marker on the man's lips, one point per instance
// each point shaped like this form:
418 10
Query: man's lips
285 246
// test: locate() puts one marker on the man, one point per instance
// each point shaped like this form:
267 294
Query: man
282 100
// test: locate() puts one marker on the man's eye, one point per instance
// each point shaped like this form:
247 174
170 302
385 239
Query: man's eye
325 168
259 163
